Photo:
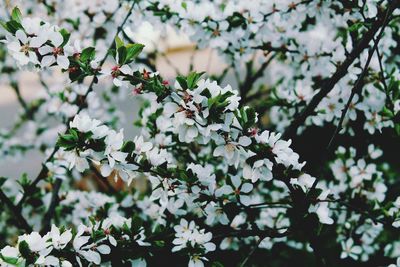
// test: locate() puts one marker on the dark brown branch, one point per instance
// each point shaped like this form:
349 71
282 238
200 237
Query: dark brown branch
243 263
341 71
42 175
360 81
27 111
102 180
261 233
16 212
252 78
52 208
364 212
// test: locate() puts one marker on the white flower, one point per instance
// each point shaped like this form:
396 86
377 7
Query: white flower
78 161
323 213
90 251
9 253
238 189
349 250
284 154
196 261
215 214
361 172
20 48
183 234
374 152
231 150
124 170
58 240
37 244
115 73
341 168
35 241
114 142
261 170
305 181
139 263
141 146
56 53
56 170
84 123
188 234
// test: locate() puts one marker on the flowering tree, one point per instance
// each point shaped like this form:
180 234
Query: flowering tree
218 174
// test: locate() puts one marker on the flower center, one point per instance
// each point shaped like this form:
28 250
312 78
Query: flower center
115 71
230 147
57 50
25 49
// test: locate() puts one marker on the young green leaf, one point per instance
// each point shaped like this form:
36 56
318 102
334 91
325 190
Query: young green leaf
16 14
133 50
65 34
87 54
118 42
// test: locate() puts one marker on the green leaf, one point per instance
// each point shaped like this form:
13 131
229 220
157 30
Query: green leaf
16 14
356 26
87 54
122 53
128 147
184 5
24 181
9 260
118 42
251 117
24 249
126 228
4 25
133 50
387 112
12 26
397 128
2 181
65 34
98 234
193 78
68 141
136 224
159 243
182 82
74 134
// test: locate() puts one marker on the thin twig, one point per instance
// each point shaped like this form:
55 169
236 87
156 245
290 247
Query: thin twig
341 71
359 83
53 204
21 101
251 252
102 180
251 79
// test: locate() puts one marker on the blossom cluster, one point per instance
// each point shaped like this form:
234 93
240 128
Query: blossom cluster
215 168
87 245
310 52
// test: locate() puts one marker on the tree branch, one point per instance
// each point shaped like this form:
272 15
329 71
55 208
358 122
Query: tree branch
53 204
102 180
341 71
252 78
359 83
21 100
16 212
